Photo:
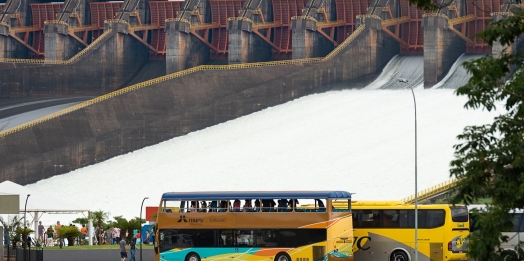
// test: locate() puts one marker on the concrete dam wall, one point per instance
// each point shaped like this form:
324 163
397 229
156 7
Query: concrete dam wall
176 104
99 69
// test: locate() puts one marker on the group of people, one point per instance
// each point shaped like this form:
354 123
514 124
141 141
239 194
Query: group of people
47 236
266 205
110 236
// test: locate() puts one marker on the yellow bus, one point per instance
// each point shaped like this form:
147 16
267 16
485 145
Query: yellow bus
386 231
250 225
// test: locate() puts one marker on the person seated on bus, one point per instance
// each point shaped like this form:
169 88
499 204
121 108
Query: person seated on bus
203 207
320 205
214 206
223 206
282 205
265 205
293 203
272 205
247 206
194 206
236 205
257 206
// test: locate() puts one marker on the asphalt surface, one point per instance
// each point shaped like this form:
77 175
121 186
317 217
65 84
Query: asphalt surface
16 111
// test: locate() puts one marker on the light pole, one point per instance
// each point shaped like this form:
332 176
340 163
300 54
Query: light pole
416 191
140 228
24 240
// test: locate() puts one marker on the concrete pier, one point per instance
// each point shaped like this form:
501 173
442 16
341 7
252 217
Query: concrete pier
442 47
244 46
58 44
307 42
184 50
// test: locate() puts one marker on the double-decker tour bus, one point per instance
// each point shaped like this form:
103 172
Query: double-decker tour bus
386 231
251 225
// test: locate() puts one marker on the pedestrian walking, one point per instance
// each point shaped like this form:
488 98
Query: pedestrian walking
123 250
132 249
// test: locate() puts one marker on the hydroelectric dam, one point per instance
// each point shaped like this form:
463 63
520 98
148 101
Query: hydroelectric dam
161 69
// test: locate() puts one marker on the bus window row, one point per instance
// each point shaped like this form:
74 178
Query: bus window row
262 205
182 238
398 218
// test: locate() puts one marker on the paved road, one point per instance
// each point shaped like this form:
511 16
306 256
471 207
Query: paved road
16 111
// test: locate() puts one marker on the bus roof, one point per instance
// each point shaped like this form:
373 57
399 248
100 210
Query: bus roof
217 195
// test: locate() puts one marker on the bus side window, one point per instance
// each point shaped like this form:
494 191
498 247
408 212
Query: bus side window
391 218
357 218
403 218
521 228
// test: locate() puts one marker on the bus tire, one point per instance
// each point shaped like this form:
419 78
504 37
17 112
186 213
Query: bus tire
509 255
282 256
399 256
192 257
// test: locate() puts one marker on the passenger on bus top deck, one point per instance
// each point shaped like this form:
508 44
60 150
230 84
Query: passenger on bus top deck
265 205
214 205
282 205
247 206
194 206
204 207
223 206
320 205
272 205
257 205
291 205
236 205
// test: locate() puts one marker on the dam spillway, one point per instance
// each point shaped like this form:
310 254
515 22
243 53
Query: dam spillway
223 60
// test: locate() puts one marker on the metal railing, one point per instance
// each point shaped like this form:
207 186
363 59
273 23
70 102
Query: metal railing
432 191
459 20
435 15
345 43
21 254
502 13
394 20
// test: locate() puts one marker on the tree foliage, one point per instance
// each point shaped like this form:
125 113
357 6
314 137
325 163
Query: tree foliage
489 160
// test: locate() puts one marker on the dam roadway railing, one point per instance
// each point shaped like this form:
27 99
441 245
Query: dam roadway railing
110 95
436 190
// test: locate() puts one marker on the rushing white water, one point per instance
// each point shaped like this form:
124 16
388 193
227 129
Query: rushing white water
407 67
457 76
361 141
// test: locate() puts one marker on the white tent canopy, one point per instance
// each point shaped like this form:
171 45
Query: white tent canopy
39 203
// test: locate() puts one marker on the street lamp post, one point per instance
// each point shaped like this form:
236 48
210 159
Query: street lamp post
416 191
24 240
140 228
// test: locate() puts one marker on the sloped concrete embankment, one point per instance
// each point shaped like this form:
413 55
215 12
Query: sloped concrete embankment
101 68
176 104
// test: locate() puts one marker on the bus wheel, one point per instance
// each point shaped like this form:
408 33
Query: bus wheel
282 257
192 257
508 255
399 256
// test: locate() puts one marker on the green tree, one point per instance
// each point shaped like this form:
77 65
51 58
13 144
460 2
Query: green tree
489 160
99 217
69 232
81 221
